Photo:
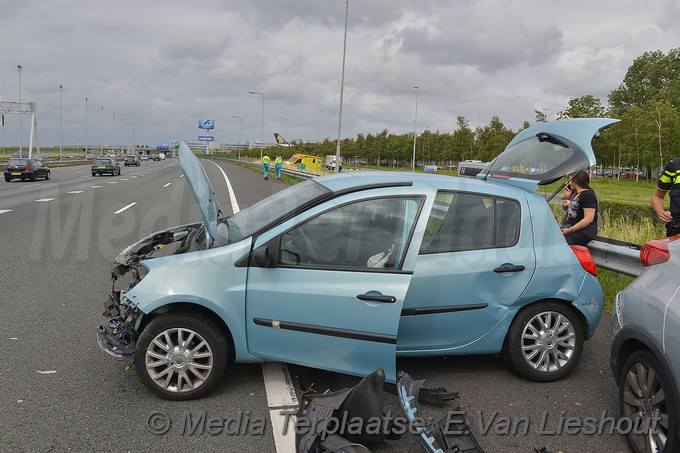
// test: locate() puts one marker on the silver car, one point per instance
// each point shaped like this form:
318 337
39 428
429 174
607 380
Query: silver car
645 353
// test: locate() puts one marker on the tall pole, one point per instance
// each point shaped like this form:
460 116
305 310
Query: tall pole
262 127
113 132
342 91
318 138
101 144
21 127
85 127
61 123
239 135
415 134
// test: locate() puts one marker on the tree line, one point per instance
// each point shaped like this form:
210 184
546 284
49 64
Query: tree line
647 102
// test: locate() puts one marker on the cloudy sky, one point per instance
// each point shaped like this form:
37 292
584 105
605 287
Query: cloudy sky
163 65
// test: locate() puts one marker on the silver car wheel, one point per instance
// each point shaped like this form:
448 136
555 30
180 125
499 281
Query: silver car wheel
643 399
179 360
548 341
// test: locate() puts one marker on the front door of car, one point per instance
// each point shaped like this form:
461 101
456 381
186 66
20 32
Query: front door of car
327 291
475 261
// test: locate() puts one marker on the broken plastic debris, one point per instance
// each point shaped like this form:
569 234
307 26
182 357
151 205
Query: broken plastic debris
47 372
127 367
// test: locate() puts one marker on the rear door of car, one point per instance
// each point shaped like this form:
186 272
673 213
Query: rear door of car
475 261
331 294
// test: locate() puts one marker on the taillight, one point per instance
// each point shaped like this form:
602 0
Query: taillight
6 168
28 168
585 258
656 251
92 165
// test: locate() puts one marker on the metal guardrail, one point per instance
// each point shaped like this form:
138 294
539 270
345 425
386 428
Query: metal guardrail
618 256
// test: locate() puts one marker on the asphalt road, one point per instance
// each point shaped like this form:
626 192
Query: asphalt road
60 392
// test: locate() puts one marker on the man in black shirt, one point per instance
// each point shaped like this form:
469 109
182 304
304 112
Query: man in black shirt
669 182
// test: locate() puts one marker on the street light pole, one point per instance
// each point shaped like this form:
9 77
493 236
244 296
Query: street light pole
61 123
262 127
239 135
415 134
86 127
101 144
342 91
21 127
318 138
113 132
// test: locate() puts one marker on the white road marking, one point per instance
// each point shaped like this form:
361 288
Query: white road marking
113 182
133 177
181 176
44 199
126 207
2 211
280 396
124 179
97 187
76 191
167 184
232 197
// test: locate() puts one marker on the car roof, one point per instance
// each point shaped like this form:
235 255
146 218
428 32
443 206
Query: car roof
346 181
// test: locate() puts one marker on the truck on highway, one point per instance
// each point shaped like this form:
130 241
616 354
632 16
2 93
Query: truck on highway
330 162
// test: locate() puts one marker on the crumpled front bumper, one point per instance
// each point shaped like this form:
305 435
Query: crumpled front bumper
117 334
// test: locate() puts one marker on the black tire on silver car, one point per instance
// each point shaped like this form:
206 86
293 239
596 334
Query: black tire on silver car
544 341
645 391
181 356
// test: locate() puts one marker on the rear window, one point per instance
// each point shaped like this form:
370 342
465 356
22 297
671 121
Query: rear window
102 162
18 162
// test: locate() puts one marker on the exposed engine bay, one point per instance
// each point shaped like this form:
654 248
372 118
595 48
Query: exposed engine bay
118 331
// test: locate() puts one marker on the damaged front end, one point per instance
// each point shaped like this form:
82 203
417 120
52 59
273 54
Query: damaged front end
118 332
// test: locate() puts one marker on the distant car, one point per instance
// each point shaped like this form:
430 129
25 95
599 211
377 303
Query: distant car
26 169
144 157
156 157
346 272
132 159
643 357
20 155
105 165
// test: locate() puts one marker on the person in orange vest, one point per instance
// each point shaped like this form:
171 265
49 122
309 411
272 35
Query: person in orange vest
265 166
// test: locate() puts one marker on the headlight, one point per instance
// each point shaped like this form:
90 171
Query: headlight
617 309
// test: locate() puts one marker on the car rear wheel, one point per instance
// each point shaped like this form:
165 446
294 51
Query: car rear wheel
645 392
544 342
47 176
34 176
181 356
7 179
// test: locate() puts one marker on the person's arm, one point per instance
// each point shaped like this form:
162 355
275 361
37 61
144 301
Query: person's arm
588 218
657 203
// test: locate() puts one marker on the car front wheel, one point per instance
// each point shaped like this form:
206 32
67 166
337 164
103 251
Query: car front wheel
544 342
47 176
181 356
649 399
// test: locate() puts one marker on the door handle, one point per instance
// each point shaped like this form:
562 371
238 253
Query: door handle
509 269
377 298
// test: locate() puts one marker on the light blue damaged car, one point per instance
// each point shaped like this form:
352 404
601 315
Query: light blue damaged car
349 271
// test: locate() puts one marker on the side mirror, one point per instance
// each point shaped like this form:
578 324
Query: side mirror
261 256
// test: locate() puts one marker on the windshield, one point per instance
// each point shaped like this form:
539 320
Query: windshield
541 158
293 159
272 209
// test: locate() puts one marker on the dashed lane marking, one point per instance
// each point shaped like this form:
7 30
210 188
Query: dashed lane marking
2 211
167 184
125 207
44 199
76 191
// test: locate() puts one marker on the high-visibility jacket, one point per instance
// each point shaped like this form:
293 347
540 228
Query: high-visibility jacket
265 160
669 181
278 160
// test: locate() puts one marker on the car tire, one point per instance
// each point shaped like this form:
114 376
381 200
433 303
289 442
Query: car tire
176 378
640 394
544 342
34 176
47 176
7 179
94 174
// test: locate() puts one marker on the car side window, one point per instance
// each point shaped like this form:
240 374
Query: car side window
468 221
369 234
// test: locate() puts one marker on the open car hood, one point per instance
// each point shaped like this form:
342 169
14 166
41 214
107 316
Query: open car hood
545 152
201 188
